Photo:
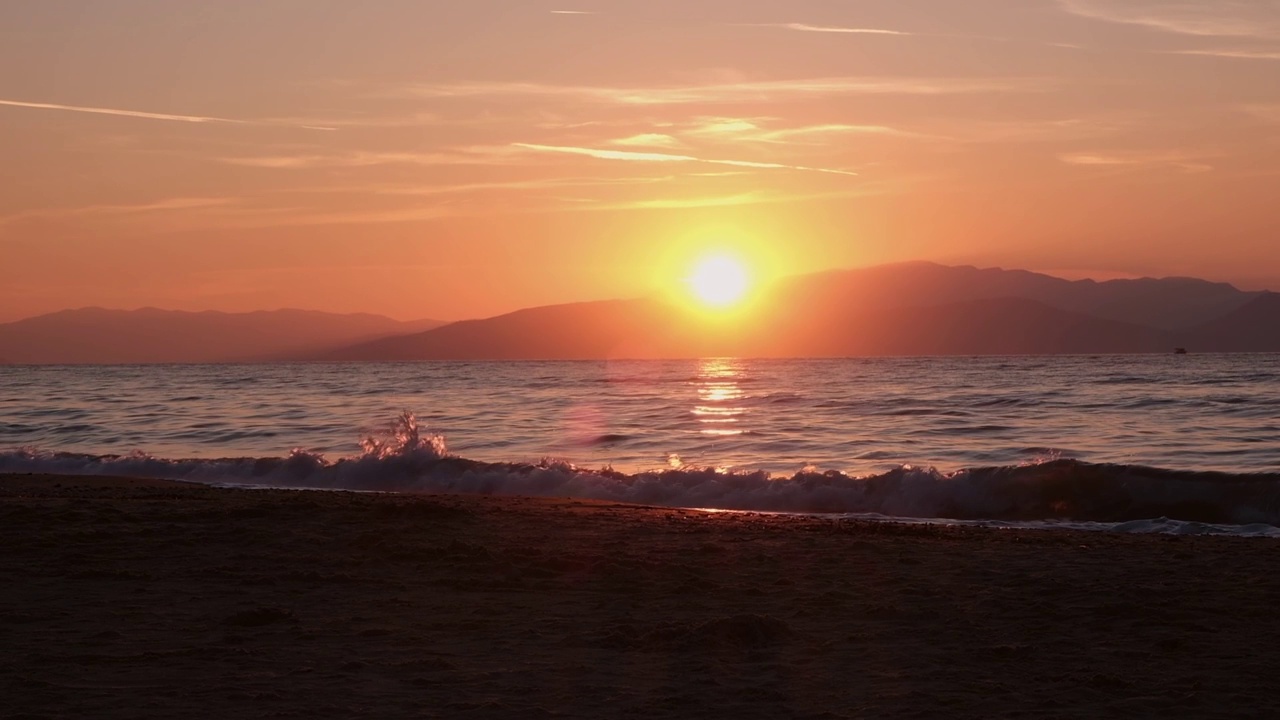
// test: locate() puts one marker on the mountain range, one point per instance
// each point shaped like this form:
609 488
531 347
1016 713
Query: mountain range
149 335
904 309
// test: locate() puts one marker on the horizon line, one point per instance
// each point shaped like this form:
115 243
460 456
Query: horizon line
1064 275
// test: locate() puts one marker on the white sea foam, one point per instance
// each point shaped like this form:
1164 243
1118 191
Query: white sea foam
1055 493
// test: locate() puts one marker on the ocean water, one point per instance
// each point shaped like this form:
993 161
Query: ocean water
1140 443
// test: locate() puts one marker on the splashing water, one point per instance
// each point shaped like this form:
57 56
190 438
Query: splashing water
994 440
402 437
1058 493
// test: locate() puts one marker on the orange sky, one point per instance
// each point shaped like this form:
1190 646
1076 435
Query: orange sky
457 159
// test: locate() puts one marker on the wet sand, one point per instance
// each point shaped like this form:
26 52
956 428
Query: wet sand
127 598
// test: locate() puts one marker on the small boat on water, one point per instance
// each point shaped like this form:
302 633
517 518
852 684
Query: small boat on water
1180 351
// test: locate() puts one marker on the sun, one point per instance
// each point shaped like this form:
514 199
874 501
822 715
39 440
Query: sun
719 281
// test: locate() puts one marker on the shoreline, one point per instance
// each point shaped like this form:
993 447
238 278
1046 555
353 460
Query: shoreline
143 598
1178 518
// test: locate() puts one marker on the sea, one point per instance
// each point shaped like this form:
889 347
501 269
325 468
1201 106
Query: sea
1178 444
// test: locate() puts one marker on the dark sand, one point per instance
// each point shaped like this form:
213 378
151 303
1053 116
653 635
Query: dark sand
151 599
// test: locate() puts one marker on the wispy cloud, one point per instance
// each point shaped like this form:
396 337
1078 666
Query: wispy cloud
121 113
751 130
854 30
413 214
626 155
365 121
804 27
1034 131
186 214
161 205
166 205
1180 161
648 140
789 134
537 184
725 126
467 156
139 114
735 92
1263 111
1234 54
1229 18
747 198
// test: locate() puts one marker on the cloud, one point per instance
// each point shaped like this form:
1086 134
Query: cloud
467 156
167 205
1035 131
648 140
803 27
608 154
748 198
1180 161
340 123
178 215
198 119
715 126
170 204
665 157
413 214
543 184
1263 111
1220 18
734 92
121 113
749 130
1236 54
677 203
779 136
846 30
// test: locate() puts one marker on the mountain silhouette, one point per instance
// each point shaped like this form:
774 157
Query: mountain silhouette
560 332
1168 304
1000 326
1253 327
643 329
903 309
97 335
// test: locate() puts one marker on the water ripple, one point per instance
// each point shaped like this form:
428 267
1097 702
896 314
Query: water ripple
858 416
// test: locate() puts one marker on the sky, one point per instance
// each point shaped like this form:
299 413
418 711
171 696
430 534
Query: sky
453 159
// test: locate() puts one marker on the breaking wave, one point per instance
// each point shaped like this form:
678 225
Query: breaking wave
1056 493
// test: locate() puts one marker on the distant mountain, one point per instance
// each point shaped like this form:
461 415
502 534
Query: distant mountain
96 335
1168 304
1004 326
646 329
1254 327
907 309
611 328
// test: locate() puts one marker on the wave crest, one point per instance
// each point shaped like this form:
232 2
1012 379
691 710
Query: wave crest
404 458
402 437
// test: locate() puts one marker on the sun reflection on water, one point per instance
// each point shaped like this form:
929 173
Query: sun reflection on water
719 408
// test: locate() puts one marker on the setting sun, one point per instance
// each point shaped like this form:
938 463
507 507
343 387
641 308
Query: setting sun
719 281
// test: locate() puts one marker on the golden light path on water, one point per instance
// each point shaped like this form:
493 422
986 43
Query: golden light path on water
719 408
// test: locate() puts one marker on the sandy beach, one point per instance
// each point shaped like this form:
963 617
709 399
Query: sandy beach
127 598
